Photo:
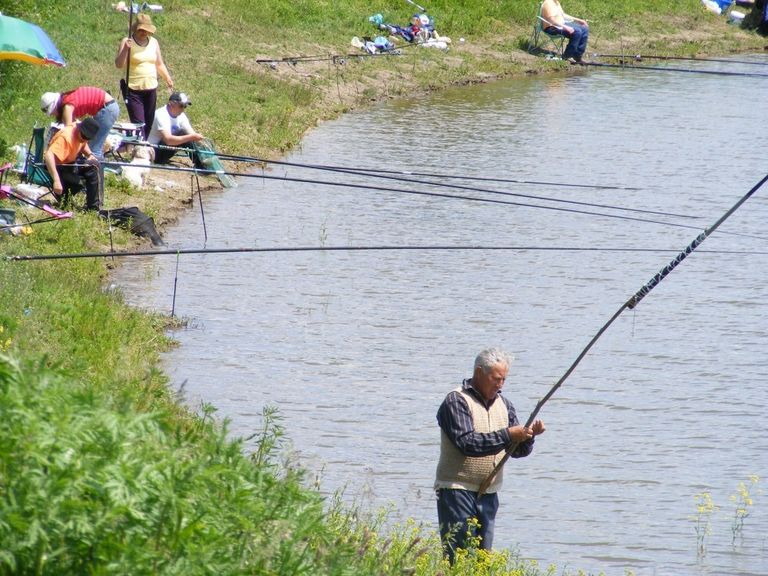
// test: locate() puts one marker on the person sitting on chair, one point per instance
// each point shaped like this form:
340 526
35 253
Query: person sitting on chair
557 23
64 160
171 129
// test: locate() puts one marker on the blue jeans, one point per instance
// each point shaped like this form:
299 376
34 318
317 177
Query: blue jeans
455 508
106 118
577 40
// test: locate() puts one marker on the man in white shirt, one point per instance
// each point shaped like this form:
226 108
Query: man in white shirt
171 128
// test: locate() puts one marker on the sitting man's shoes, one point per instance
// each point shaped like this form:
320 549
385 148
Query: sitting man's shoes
571 60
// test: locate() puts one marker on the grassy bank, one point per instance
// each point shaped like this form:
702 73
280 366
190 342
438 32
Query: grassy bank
212 48
101 470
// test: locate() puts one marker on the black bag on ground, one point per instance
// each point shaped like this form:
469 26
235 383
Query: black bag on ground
140 224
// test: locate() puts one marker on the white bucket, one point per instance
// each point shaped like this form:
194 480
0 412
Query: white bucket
735 17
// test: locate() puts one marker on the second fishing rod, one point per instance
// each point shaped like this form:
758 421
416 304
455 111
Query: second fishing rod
408 177
425 193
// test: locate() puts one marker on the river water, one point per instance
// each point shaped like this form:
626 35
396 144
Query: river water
357 349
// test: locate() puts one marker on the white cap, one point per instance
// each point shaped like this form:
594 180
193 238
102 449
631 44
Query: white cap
180 98
49 101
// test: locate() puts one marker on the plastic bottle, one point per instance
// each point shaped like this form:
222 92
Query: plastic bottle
21 157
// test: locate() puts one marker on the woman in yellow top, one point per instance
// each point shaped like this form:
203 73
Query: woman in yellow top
141 52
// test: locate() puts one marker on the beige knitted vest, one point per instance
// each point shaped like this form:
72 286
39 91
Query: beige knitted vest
455 470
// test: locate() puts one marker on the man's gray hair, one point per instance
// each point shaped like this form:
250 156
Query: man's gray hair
489 357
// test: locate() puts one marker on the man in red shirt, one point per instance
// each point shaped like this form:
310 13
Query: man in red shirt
66 147
80 102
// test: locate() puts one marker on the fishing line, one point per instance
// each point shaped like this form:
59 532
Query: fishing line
425 174
489 179
406 177
638 57
417 6
671 69
195 178
55 214
501 192
365 170
175 282
375 248
326 58
29 223
436 195
389 175
628 305
109 229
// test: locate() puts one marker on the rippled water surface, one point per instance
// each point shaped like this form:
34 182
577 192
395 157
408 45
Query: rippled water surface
357 349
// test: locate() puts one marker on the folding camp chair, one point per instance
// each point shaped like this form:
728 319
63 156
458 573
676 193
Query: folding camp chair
35 171
541 42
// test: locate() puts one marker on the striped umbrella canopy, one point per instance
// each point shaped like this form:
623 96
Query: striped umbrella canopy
21 40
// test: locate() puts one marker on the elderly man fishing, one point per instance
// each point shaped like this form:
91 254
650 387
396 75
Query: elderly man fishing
476 425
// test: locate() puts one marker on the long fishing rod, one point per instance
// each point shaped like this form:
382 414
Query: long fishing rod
628 305
671 69
411 180
508 180
417 6
639 57
238 158
425 193
124 83
375 248
365 170
52 212
195 179
387 174
326 58
28 223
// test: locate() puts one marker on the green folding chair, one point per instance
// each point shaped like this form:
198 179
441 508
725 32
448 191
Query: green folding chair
35 171
551 45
